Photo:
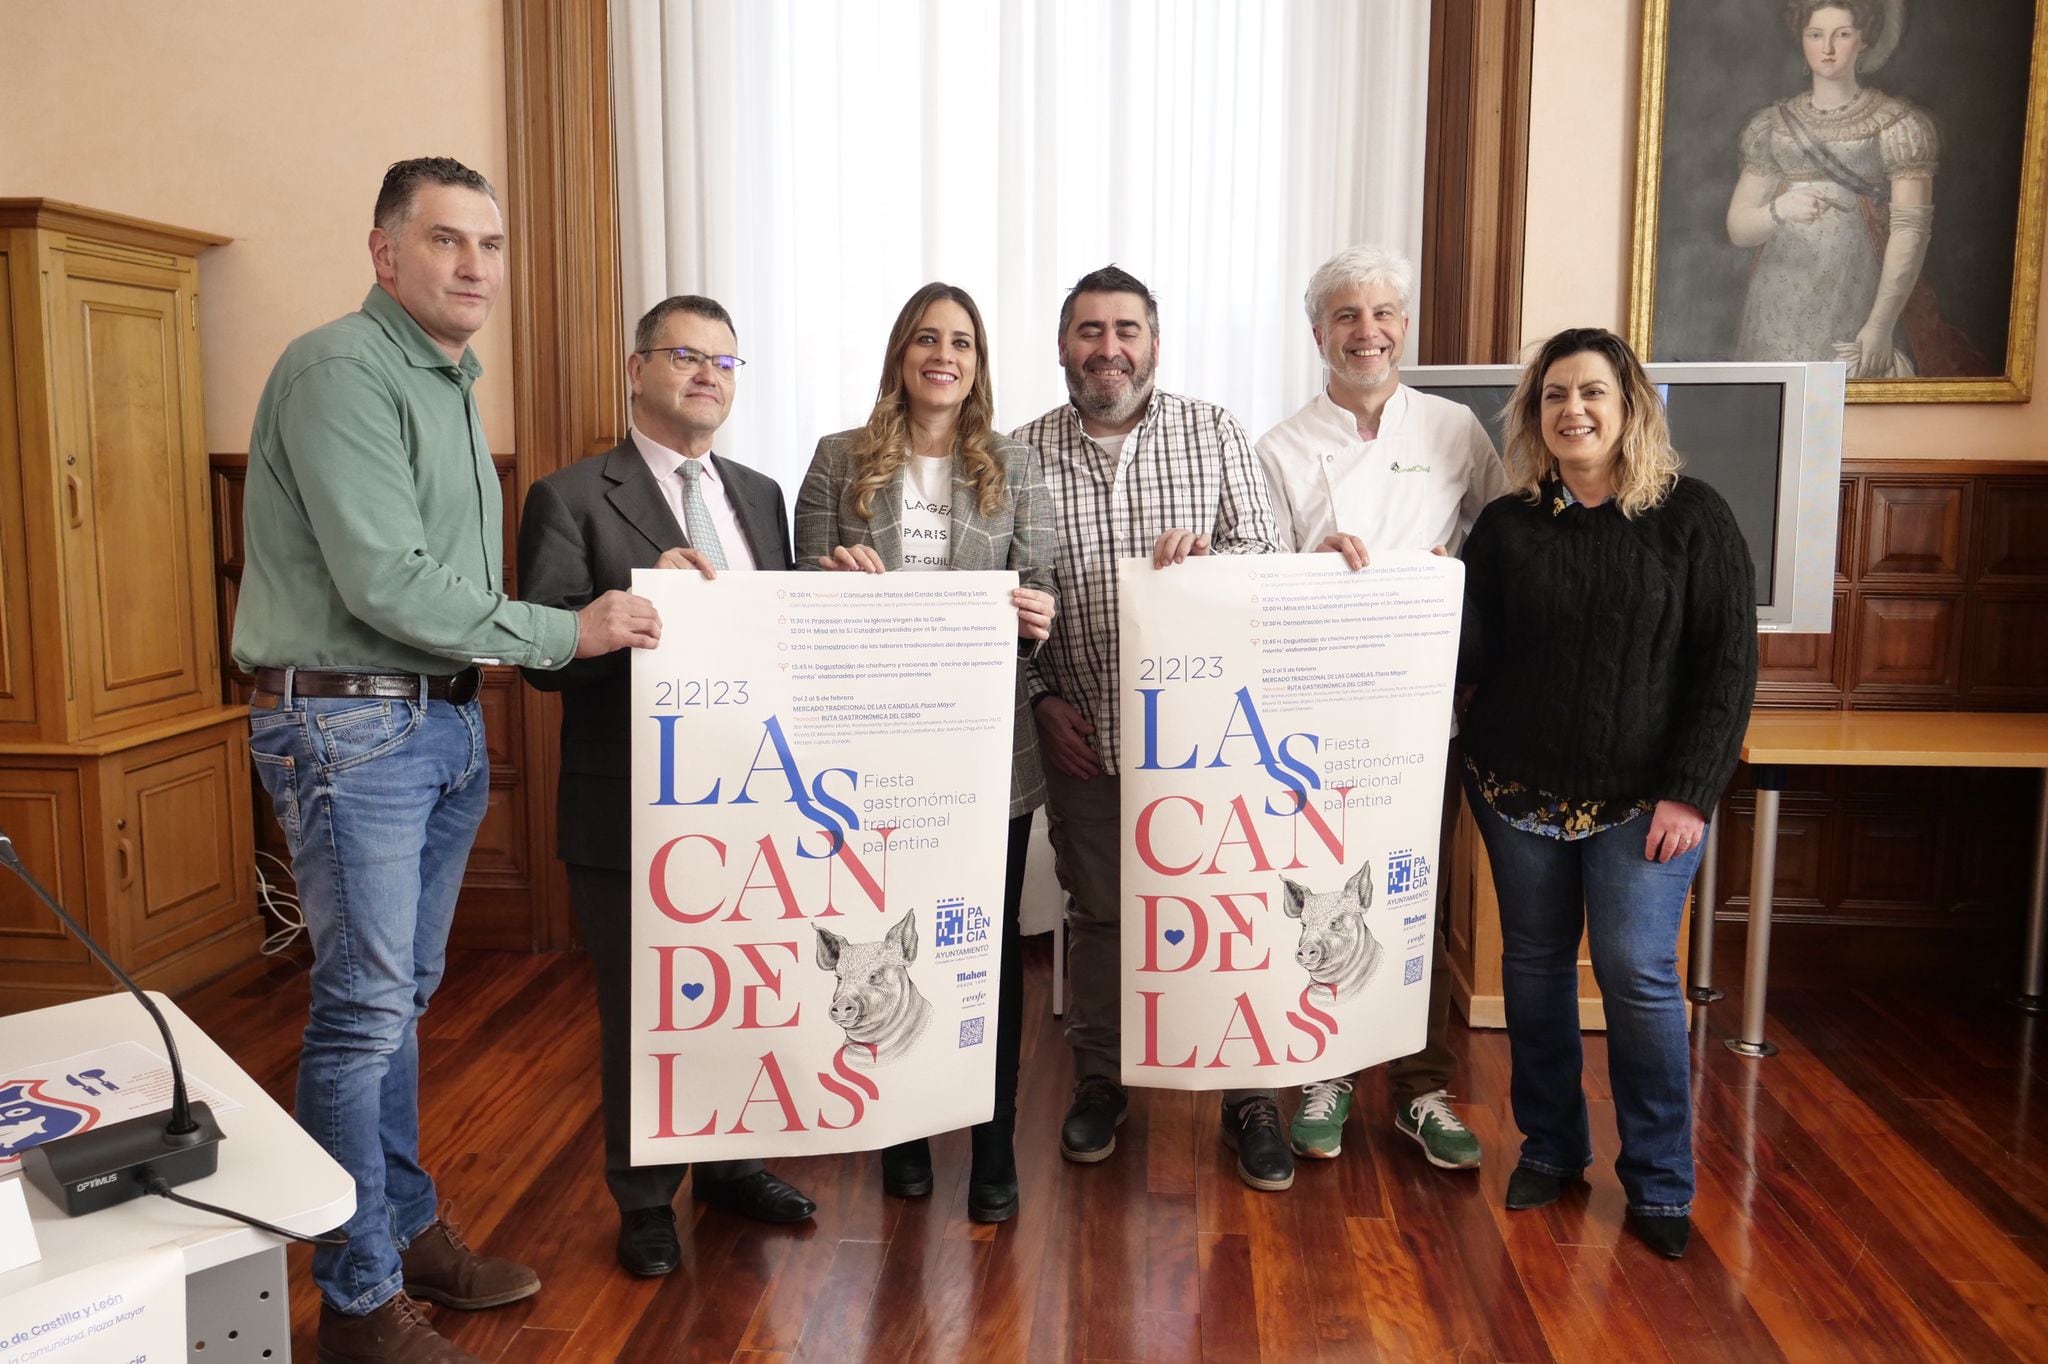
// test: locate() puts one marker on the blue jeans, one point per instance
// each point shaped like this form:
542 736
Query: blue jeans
380 801
1629 907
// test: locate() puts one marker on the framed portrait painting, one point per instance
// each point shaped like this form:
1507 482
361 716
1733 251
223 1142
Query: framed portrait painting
1852 180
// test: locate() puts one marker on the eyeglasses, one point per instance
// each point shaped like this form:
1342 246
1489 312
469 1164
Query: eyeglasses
684 357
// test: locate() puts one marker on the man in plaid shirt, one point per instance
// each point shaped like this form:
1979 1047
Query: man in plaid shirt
1132 472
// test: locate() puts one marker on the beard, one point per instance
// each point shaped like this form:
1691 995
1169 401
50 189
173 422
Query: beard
1101 398
1364 374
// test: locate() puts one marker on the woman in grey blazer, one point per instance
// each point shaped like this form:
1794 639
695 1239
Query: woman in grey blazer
928 484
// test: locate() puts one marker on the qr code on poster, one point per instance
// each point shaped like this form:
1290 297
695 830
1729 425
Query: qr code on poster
1411 971
971 1030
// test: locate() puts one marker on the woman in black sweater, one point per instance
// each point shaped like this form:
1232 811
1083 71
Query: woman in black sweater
1610 640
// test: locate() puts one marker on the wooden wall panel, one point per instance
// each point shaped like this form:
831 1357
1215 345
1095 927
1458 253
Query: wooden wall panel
1914 529
2013 545
1941 603
1468 306
568 323
1908 646
2008 649
1887 863
1805 671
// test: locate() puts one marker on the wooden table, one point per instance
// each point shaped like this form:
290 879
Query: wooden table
1777 740
235 1286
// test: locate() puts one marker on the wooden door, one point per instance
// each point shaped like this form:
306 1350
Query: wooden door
131 488
42 809
179 847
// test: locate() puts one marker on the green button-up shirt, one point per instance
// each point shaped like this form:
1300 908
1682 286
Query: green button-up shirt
372 525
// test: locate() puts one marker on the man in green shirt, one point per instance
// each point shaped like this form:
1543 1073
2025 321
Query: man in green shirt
371 590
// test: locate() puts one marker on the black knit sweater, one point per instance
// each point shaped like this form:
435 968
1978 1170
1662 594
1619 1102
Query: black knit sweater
1614 658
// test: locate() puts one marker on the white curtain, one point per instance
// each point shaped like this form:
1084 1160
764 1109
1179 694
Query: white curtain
810 163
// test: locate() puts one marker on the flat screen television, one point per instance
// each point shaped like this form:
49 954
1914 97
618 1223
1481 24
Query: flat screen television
1768 437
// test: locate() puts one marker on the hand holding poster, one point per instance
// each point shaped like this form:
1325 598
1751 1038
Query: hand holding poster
821 778
1285 721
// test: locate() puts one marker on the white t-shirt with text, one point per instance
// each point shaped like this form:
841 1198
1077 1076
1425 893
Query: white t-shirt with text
927 512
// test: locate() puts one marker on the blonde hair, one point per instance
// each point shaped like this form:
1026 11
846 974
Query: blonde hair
1647 466
883 445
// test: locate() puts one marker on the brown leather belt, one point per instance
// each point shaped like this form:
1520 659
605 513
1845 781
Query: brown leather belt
459 688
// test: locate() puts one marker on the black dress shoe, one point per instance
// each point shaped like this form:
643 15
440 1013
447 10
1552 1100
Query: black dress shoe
992 1202
1533 1189
907 1169
647 1241
1089 1133
759 1195
1668 1236
1264 1159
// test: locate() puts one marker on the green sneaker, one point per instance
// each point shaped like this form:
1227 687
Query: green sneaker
1318 1127
1448 1143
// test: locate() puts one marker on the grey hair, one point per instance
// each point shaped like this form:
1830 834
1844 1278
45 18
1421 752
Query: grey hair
1354 266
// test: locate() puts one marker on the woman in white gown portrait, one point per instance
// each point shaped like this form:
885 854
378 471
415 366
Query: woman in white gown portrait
1837 199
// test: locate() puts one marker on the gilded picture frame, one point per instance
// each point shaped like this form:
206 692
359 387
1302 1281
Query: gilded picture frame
1860 180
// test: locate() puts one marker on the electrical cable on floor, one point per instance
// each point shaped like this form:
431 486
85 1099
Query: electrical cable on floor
282 904
155 1184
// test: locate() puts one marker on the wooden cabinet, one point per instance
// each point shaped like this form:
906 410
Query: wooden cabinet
104 469
145 838
122 779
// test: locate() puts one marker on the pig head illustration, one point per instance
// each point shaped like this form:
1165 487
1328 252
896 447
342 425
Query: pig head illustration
875 1000
1336 947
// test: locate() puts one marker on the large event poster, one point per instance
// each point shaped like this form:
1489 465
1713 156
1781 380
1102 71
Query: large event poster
1285 721
821 782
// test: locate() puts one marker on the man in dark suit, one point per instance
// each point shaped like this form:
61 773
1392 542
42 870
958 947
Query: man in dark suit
659 499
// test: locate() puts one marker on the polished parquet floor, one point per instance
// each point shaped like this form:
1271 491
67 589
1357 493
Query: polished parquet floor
1877 1191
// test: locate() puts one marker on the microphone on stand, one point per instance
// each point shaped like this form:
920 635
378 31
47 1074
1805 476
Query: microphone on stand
102 1166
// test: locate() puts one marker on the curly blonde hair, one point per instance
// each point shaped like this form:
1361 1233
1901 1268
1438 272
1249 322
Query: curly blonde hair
883 445
1648 466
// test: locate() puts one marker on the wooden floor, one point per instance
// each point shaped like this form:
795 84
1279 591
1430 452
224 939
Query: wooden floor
1878 1191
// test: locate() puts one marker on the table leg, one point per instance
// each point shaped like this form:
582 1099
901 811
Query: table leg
240 1310
1763 874
1703 906
2033 968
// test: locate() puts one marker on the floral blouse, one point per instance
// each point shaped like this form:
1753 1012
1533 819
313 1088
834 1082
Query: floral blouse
1549 814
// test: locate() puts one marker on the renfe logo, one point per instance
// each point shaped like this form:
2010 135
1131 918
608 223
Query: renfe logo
93 1183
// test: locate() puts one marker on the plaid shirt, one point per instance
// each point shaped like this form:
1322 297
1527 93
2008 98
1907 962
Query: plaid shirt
1186 466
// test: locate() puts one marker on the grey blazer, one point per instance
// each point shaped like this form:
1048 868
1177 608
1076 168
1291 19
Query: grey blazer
1017 535
584 530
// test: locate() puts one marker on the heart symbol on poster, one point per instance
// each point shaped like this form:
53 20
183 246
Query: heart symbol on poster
1174 935
692 989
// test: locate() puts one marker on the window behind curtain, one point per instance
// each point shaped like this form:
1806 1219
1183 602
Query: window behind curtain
810 164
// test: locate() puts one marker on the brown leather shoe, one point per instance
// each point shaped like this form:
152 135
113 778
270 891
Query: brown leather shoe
441 1268
395 1333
